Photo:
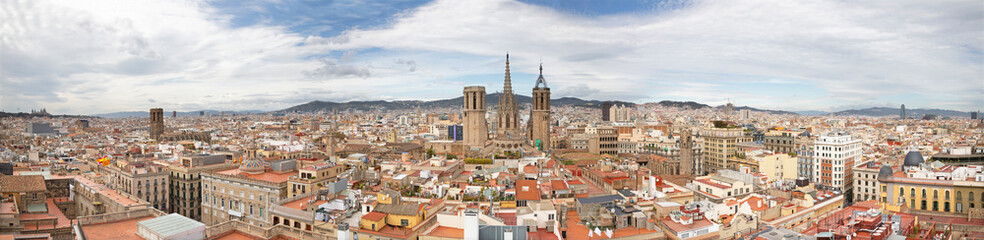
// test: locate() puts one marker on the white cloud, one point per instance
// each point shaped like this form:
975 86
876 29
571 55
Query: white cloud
102 56
855 51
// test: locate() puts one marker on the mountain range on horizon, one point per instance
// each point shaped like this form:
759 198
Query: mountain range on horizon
493 98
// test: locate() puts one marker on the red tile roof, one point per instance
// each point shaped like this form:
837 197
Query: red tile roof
527 190
374 216
558 185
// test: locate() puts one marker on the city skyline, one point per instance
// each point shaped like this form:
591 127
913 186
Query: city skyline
100 57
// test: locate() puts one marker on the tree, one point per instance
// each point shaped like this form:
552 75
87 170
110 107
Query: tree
430 153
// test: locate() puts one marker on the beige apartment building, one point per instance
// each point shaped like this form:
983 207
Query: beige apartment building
245 193
312 178
719 147
144 180
186 182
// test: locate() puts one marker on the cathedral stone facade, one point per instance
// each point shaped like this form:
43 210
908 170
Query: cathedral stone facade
509 137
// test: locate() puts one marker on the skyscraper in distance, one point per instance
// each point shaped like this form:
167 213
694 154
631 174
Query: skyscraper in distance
902 114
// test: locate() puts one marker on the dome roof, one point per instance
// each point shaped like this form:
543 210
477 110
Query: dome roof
252 164
884 172
913 159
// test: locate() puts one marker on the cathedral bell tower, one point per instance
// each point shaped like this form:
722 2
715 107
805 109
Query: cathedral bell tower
540 115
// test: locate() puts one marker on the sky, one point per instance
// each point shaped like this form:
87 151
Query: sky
100 56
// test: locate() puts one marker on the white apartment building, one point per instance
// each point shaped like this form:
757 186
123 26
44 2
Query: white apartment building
834 155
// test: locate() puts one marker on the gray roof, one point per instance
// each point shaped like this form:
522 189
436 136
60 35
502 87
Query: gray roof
600 199
170 224
626 192
913 158
885 171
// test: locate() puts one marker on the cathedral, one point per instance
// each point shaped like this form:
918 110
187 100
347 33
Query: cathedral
509 139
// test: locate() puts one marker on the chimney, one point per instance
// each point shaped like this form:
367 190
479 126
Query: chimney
471 224
343 231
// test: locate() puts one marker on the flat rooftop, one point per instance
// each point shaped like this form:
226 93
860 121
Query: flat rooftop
119 230
447 232
296 204
106 191
265 176
61 221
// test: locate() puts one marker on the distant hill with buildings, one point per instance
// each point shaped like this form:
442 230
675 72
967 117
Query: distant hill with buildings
490 100
697 105
30 115
129 114
913 113
683 105
762 110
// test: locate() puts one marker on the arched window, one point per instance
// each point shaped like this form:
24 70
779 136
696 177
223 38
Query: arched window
912 192
901 191
946 195
936 194
924 193
958 196
970 196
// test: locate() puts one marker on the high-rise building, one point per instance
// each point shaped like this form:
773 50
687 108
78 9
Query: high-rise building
156 123
973 115
719 146
476 132
540 114
902 114
606 111
834 155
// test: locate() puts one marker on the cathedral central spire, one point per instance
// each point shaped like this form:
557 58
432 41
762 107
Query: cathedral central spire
507 86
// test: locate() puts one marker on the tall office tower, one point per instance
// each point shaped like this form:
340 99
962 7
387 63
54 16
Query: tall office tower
156 123
606 111
686 152
507 121
902 114
719 147
540 116
174 114
973 115
833 158
476 128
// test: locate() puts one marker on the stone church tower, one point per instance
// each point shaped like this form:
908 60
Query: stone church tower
508 111
476 128
540 116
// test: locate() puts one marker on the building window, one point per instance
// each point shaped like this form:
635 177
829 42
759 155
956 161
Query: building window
946 195
958 196
404 222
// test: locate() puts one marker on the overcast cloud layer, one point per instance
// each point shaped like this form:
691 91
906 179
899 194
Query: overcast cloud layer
85 57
